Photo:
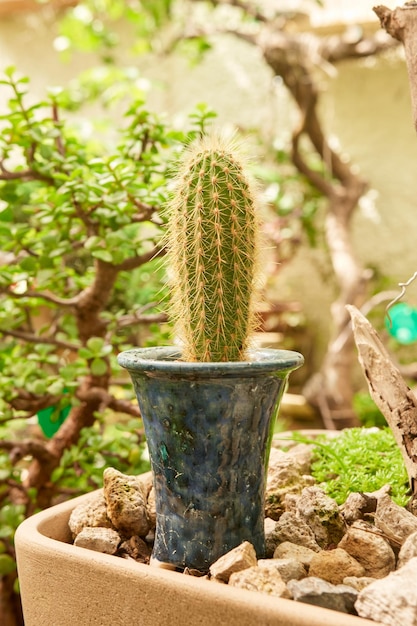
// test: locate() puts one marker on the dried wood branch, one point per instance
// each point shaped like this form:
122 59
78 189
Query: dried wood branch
389 391
401 24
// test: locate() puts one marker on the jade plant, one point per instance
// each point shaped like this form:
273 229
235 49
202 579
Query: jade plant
213 248
80 231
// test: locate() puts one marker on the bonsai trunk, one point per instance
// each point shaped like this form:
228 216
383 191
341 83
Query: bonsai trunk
331 388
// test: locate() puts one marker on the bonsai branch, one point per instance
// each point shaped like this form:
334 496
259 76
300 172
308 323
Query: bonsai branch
30 403
246 7
48 297
139 317
139 260
108 401
58 141
93 300
30 338
39 471
315 178
19 449
146 210
28 174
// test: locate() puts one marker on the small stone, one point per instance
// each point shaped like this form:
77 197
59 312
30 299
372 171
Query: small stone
379 493
137 549
321 593
269 525
302 453
334 566
394 521
322 514
289 569
271 541
284 476
290 502
290 527
92 513
373 552
126 499
391 600
238 559
99 539
261 579
355 506
288 550
359 504
358 583
408 550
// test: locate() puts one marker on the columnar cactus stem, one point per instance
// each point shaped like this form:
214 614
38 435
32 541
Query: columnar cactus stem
212 251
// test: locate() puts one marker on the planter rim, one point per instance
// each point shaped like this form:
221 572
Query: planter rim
167 359
43 537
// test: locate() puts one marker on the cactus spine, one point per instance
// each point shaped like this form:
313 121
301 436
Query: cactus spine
212 252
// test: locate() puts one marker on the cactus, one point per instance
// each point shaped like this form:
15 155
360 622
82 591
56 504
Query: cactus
212 252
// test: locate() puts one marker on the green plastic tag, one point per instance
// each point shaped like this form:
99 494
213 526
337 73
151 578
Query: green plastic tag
404 323
50 419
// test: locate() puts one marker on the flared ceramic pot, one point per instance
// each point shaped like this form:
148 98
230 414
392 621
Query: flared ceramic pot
208 428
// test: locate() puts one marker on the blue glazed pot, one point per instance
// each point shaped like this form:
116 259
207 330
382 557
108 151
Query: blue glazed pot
208 427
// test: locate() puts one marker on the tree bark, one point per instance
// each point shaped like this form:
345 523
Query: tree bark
401 24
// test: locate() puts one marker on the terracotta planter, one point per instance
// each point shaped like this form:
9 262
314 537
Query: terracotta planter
63 585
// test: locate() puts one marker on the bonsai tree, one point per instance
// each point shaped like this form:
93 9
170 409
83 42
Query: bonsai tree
79 231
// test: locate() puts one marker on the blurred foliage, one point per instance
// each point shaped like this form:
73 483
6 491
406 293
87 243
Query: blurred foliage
367 411
91 26
293 200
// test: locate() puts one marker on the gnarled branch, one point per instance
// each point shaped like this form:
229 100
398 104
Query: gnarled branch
30 338
401 24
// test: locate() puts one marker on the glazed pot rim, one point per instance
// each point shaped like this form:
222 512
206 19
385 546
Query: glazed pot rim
167 359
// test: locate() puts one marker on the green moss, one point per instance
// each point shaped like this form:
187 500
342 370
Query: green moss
359 460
